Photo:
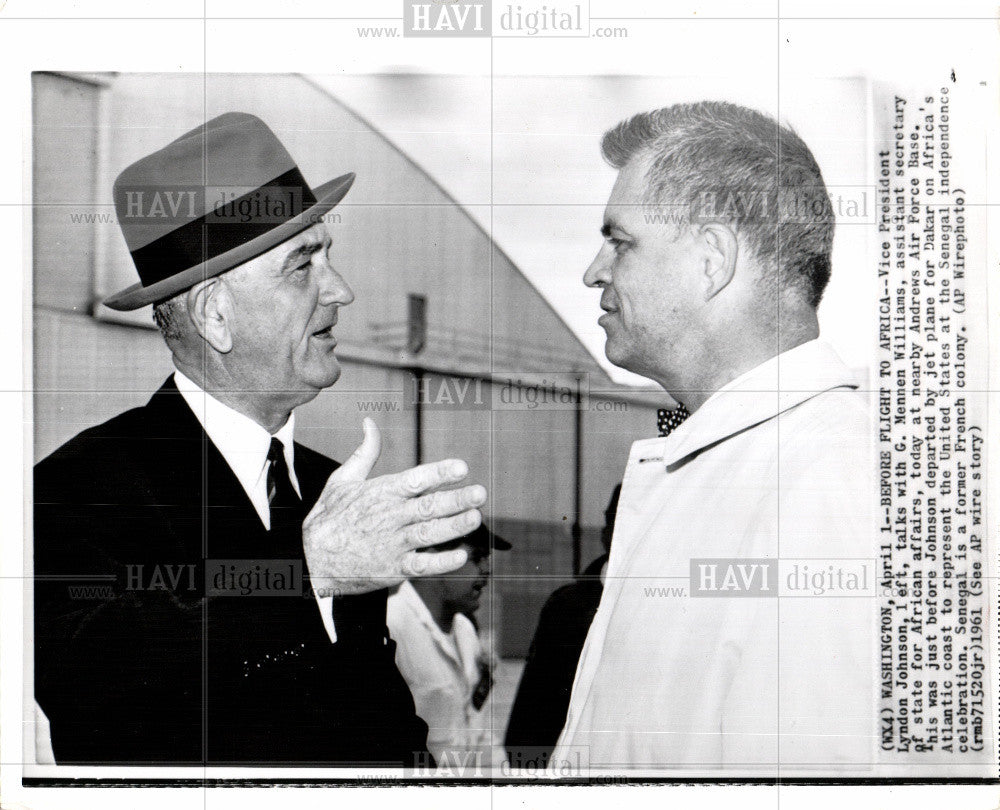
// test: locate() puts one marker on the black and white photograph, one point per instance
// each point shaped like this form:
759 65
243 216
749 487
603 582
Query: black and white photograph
500 403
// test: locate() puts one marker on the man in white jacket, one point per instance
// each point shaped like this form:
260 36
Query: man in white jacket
718 240
441 658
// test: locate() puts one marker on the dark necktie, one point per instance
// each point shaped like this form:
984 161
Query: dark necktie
668 420
482 690
281 496
357 620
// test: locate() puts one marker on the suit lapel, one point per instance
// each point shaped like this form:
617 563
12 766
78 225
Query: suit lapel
311 474
201 478
230 528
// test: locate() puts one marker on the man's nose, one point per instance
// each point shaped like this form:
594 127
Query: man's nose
334 289
598 274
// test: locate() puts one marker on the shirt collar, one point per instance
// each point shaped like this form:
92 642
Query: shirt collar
468 645
241 441
780 383
409 597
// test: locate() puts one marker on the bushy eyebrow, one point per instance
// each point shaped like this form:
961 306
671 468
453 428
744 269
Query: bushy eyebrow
609 226
303 252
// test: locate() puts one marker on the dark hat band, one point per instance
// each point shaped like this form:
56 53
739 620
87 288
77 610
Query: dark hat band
228 223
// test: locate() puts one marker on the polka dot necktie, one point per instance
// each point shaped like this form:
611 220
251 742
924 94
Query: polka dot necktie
667 420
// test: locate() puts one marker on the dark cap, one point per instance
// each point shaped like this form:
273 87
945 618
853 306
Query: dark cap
480 538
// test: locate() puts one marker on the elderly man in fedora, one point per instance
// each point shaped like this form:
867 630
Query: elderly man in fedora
246 574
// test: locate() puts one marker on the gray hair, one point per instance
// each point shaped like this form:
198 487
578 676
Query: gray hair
169 317
741 167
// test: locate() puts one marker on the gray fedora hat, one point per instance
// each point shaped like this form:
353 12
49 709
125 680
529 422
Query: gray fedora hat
218 196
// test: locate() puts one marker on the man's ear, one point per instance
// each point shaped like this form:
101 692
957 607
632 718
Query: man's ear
210 308
722 249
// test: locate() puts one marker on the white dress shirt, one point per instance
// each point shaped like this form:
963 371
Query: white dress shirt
442 671
244 444
774 465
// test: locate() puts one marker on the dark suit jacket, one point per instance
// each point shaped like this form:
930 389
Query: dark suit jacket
539 711
137 661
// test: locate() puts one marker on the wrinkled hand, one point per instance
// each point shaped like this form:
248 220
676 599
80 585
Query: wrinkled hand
363 535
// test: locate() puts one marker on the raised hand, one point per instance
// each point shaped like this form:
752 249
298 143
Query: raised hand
363 534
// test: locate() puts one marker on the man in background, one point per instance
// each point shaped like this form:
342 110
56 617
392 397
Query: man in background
718 237
440 655
539 711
